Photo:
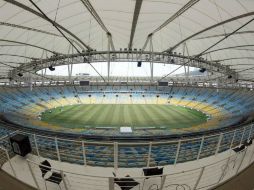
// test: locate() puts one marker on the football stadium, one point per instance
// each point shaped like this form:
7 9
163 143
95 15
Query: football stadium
126 95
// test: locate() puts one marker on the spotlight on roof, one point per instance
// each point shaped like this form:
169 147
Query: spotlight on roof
20 74
202 70
51 68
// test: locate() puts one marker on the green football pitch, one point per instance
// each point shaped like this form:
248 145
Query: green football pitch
118 115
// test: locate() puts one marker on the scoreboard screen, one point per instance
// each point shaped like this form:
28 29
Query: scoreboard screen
84 83
162 83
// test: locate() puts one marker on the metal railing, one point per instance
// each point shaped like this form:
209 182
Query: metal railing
134 155
203 177
5 158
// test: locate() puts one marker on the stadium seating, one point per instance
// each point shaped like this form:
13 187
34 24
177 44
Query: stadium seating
225 106
218 104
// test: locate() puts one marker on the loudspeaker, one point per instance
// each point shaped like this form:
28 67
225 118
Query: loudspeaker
20 74
20 144
139 64
202 70
152 171
51 68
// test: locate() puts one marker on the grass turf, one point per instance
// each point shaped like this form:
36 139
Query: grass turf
117 115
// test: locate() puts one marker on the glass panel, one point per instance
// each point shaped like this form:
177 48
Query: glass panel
99 155
226 141
47 147
163 154
70 151
133 155
209 146
189 150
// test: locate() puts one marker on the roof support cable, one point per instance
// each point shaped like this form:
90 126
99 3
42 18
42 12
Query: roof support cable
32 11
57 10
174 16
200 54
15 55
230 47
37 30
209 28
218 10
220 35
92 11
95 15
177 14
5 64
53 23
251 20
233 58
27 44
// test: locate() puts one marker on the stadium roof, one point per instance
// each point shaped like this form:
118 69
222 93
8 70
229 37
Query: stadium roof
221 30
